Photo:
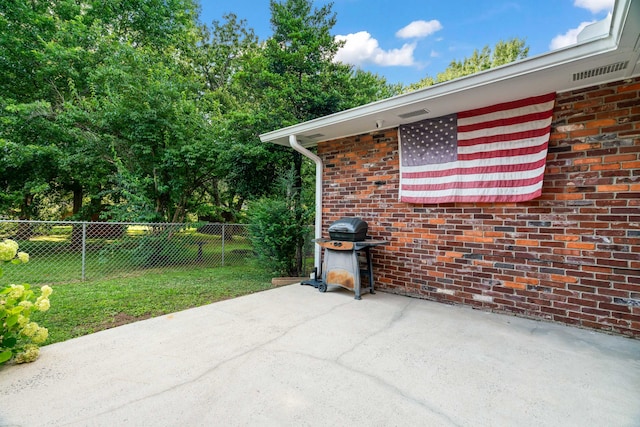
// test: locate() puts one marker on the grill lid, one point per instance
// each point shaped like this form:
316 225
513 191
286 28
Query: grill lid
349 228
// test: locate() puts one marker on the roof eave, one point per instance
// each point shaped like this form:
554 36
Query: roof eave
548 61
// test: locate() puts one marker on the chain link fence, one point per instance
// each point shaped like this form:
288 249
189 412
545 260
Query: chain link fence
69 251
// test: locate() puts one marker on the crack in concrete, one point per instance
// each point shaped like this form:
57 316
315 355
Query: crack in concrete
397 316
212 368
394 319
393 389
398 391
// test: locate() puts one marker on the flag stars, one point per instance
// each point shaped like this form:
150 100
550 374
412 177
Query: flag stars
431 141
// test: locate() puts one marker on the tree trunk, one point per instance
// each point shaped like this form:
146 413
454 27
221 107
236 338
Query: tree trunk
215 192
25 230
96 208
76 232
77 198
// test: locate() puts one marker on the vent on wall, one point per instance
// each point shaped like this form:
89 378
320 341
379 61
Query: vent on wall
315 135
413 113
605 69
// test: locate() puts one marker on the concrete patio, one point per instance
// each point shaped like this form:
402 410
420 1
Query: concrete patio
294 356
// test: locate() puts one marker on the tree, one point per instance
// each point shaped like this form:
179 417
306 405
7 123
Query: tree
56 54
243 167
503 52
294 79
221 49
153 118
131 109
366 87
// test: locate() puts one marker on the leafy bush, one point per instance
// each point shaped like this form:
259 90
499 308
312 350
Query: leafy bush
160 246
277 229
158 250
274 234
19 337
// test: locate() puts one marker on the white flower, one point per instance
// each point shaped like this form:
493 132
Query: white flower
46 291
16 291
7 251
30 329
26 304
42 304
12 243
22 320
40 335
23 257
30 353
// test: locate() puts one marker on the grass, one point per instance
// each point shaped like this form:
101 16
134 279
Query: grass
133 275
55 260
86 307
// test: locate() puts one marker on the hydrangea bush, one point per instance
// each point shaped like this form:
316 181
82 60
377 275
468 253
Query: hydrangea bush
20 337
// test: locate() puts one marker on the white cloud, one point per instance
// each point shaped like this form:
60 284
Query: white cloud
568 38
418 29
361 48
595 6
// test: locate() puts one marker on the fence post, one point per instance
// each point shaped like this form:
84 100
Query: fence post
84 248
223 238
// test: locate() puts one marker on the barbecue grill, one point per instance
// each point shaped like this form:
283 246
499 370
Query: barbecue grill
347 257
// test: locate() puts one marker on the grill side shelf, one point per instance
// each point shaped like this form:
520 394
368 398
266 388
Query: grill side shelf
336 245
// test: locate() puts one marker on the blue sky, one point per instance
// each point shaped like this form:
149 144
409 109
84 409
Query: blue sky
406 40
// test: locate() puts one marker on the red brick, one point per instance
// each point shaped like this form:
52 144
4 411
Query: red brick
629 88
600 123
588 199
622 96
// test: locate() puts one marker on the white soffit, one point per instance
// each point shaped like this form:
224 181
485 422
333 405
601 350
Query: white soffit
610 57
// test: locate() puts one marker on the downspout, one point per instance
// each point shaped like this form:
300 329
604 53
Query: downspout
293 141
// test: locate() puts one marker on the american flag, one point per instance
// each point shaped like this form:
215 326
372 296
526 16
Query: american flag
491 154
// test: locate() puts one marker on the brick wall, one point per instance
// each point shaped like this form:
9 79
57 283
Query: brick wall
572 255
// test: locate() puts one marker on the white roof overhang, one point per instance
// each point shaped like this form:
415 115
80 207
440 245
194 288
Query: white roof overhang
597 58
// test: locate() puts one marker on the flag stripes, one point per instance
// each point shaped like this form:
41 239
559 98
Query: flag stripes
500 154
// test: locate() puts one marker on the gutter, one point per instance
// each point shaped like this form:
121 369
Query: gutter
293 142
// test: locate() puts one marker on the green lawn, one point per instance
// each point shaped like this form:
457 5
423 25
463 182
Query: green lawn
55 259
82 308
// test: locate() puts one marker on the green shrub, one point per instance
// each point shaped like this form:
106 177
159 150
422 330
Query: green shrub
274 231
160 246
155 250
278 227
19 337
